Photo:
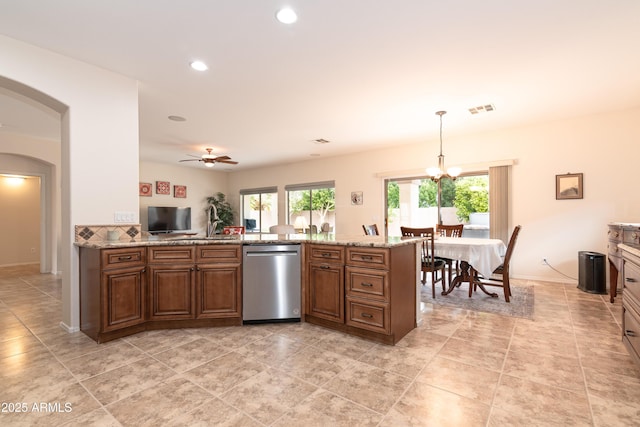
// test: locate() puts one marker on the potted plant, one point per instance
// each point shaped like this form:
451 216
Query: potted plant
222 214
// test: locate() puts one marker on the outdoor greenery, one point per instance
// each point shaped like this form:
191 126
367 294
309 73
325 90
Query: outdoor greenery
467 195
225 211
322 201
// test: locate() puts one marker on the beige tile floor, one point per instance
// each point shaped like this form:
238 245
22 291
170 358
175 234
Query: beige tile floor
566 367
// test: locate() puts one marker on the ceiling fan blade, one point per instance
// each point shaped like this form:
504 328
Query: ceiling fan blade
231 162
189 160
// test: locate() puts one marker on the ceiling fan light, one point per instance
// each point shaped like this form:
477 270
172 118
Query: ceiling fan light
209 164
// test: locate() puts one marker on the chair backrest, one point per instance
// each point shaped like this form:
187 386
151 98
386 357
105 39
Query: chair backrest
510 246
450 230
233 229
427 245
325 227
371 230
282 229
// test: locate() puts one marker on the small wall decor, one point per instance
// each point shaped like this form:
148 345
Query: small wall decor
146 189
180 191
163 187
356 197
569 186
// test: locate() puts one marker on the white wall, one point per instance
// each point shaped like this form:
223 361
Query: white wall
201 183
99 159
37 157
604 147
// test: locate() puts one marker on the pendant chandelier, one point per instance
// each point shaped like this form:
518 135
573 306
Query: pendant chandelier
437 173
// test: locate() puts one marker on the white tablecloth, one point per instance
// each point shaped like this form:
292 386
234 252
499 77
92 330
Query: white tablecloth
484 255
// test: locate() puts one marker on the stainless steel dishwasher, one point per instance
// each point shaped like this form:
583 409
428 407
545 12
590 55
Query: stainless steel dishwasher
270 283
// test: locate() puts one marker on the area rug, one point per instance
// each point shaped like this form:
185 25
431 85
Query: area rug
520 305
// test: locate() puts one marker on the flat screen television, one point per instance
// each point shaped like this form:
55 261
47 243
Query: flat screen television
168 219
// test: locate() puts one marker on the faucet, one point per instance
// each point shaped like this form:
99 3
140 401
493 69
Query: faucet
212 220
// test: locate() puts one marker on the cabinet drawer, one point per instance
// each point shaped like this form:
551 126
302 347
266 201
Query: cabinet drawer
326 253
160 254
219 253
631 325
369 315
367 283
632 280
615 234
124 257
631 236
368 257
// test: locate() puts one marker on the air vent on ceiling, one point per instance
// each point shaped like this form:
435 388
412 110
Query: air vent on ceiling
482 109
320 141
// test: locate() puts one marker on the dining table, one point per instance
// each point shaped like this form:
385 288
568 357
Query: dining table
475 255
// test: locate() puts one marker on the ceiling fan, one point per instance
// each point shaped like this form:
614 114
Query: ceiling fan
210 159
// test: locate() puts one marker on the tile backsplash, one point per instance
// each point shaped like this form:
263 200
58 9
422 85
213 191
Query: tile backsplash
93 233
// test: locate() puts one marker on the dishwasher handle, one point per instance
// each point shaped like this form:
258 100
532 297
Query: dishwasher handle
271 253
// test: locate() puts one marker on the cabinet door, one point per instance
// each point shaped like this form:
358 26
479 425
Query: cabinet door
219 293
325 295
123 298
171 292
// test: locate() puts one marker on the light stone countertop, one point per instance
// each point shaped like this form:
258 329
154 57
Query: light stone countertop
257 238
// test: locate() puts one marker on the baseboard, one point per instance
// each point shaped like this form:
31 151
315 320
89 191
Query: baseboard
68 328
546 279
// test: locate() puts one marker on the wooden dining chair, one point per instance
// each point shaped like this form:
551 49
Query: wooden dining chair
500 276
429 263
371 230
453 230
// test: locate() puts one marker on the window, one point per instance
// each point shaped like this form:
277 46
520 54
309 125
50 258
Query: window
259 209
414 202
311 207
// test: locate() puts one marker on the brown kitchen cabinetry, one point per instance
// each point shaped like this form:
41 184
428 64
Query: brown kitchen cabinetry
171 282
112 290
325 284
219 282
631 301
372 294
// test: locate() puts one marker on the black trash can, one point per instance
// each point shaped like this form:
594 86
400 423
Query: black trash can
592 272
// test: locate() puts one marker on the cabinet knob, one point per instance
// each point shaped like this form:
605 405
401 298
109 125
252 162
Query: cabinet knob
629 333
367 315
630 279
367 257
124 258
325 267
367 285
326 254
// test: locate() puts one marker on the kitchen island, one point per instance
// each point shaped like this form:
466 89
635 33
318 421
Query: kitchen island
361 285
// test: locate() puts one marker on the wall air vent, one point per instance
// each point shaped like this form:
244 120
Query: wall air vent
482 109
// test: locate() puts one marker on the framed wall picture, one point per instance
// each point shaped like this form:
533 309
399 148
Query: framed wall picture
180 191
569 186
356 197
145 189
163 187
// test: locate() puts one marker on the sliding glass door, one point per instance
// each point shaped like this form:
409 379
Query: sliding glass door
311 207
420 202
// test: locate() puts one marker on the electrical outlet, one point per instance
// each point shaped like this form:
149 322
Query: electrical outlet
124 217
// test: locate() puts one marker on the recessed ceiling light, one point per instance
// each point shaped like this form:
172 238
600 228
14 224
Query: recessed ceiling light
177 118
321 141
199 66
286 16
